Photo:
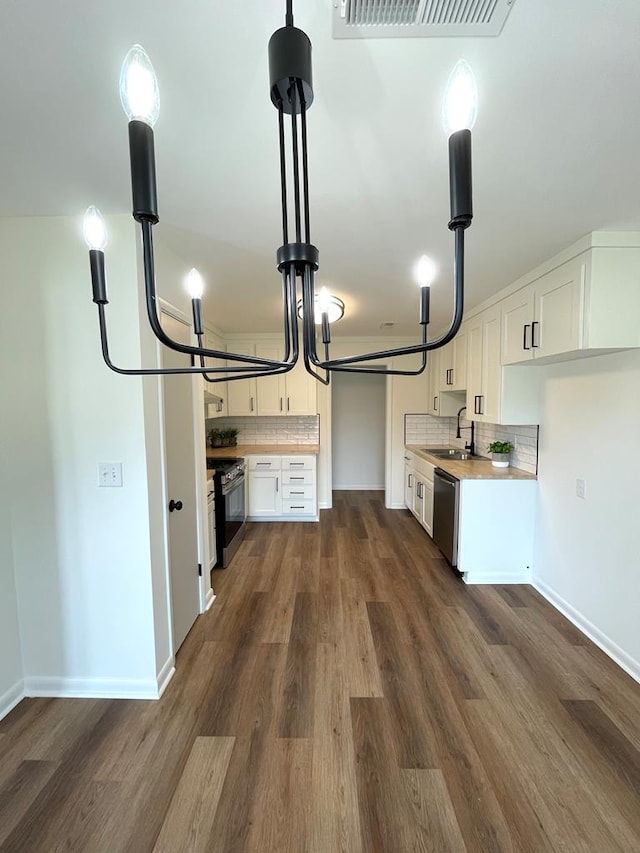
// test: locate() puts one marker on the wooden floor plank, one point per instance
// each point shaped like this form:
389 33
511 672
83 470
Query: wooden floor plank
345 692
189 822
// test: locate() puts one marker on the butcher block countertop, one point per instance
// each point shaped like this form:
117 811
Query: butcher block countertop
470 469
254 449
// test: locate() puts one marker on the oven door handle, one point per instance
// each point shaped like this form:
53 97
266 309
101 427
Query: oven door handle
234 484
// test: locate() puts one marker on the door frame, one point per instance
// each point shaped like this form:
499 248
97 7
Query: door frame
205 593
387 438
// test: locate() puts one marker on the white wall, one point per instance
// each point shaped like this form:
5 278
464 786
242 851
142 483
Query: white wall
10 652
81 554
358 422
587 552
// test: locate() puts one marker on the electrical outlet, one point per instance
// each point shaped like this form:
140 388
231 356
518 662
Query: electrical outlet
581 488
109 474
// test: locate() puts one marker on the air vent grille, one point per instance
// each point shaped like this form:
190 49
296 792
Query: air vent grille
419 18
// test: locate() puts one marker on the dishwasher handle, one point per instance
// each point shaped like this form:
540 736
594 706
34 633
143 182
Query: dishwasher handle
445 477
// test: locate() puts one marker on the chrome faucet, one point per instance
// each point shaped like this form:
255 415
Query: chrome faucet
471 446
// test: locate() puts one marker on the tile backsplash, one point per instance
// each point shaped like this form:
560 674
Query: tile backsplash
275 430
425 429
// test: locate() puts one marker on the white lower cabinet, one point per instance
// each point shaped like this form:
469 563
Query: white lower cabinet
486 553
282 487
265 498
418 489
211 531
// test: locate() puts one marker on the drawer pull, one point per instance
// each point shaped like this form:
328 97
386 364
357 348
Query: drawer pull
267 464
297 507
297 493
297 478
296 464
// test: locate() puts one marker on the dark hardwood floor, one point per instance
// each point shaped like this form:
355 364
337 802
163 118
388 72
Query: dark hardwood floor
344 693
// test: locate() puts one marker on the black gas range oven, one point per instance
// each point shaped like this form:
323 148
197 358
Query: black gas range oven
229 495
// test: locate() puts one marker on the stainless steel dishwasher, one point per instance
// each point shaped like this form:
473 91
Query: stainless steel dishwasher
446 503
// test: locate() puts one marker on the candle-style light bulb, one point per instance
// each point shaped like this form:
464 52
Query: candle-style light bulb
323 300
425 271
94 229
139 93
460 102
194 284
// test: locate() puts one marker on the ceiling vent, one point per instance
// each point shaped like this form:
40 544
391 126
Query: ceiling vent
418 18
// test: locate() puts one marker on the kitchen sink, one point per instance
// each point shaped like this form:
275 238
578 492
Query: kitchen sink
449 454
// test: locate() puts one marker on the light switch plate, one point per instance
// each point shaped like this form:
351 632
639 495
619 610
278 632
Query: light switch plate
109 474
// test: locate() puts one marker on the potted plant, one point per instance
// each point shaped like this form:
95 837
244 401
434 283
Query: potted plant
228 437
500 451
215 437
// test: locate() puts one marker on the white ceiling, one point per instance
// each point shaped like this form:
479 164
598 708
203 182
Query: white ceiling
556 144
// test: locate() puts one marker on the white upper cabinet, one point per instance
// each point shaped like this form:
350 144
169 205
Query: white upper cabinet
215 392
292 393
585 304
484 373
453 363
439 402
270 390
301 391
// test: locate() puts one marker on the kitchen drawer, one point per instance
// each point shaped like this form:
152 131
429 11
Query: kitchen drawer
298 463
265 463
298 478
298 507
298 493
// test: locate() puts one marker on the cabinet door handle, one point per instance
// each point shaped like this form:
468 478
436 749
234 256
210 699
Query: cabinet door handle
435 404
277 483
288 407
280 403
481 412
250 404
475 405
451 372
524 336
533 335
410 481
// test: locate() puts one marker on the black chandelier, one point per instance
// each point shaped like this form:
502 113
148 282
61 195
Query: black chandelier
297 257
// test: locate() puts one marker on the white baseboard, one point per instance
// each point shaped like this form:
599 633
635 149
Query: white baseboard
210 598
397 506
95 688
11 697
359 488
165 675
608 646
496 577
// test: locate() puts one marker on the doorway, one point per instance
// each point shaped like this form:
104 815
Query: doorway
358 424
182 493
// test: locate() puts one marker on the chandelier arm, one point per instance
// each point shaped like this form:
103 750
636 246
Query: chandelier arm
308 322
154 320
296 161
283 172
417 348
305 161
139 371
386 371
